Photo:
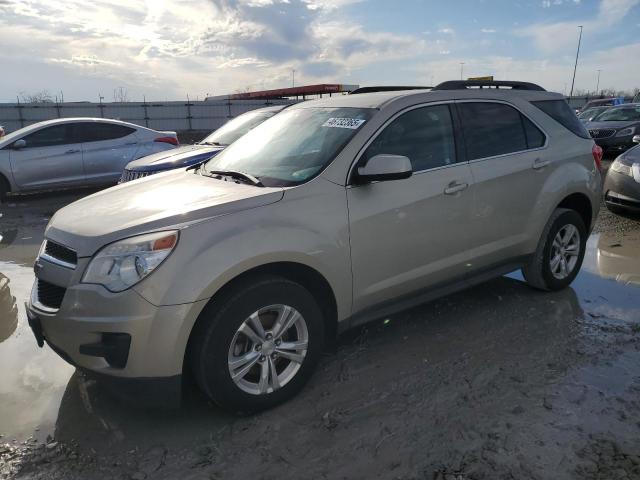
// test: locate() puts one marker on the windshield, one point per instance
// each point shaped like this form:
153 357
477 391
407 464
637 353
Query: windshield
294 146
234 129
591 113
620 114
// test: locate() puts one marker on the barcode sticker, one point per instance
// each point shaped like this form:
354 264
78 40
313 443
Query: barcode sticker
351 123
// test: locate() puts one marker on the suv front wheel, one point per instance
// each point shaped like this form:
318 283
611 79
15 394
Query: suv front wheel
560 252
256 347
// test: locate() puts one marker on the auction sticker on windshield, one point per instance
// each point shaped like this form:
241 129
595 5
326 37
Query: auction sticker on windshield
351 123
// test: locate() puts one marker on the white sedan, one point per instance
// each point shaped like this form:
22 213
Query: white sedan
70 152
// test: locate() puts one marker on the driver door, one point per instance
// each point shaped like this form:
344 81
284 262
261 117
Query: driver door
408 235
50 158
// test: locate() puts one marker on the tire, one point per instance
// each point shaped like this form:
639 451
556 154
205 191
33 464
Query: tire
4 189
538 272
264 299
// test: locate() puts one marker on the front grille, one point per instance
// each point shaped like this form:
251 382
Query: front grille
50 295
59 252
602 132
129 175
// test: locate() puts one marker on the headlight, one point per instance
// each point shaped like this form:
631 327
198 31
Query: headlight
124 263
626 132
619 167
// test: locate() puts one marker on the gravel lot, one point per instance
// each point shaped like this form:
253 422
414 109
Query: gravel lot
499 381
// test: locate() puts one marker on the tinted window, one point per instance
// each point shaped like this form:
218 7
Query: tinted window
561 112
535 138
424 135
50 136
491 129
97 131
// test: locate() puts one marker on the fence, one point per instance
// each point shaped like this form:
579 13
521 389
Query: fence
178 116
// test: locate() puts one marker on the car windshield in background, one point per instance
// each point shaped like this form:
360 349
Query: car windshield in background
620 115
234 129
293 146
592 113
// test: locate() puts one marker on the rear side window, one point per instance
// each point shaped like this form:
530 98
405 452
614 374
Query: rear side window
535 138
96 132
50 136
424 135
492 129
561 112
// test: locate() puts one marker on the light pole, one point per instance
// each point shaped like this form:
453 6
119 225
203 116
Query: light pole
461 70
575 67
598 83
293 77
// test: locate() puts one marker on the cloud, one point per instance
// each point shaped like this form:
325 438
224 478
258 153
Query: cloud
551 37
488 30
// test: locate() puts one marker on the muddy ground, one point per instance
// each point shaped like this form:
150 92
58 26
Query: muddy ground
499 381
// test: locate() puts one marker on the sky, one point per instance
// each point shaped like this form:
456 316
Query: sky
171 49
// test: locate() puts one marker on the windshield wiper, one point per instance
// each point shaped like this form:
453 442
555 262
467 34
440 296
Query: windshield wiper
247 177
217 144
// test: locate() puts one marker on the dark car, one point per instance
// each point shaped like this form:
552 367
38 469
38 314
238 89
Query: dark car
590 114
614 129
202 151
622 184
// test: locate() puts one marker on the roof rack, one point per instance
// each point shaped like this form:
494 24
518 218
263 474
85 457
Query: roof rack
465 84
386 88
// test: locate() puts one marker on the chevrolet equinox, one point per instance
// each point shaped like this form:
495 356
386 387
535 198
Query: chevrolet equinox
330 214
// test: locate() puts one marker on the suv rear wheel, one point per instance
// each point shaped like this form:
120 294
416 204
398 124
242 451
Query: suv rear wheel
560 252
258 345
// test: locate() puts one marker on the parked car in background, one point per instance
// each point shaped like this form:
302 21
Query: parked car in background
602 102
190 155
333 213
622 184
73 152
614 129
590 114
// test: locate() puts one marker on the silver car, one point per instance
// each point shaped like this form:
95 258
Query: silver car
330 214
73 152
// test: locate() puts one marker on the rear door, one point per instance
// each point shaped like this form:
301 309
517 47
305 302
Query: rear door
509 162
107 148
52 157
410 234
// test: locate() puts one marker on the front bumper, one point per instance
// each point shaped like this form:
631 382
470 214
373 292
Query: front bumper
622 190
615 144
115 334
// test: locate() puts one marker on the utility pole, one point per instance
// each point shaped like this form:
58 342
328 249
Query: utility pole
461 70
575 67
293 77
598 83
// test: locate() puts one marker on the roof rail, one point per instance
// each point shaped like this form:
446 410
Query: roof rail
465 84
386 88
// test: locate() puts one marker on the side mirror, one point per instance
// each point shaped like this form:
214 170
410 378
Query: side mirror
18 144
385 167
636 139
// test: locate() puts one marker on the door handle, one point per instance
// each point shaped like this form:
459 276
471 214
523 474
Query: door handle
73 150
538 163
455 187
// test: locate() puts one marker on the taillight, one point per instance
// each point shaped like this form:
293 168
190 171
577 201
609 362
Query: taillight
597 153
171 140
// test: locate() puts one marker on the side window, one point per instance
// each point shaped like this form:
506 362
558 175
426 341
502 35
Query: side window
98 131
491 129
424 135
50 136
535 138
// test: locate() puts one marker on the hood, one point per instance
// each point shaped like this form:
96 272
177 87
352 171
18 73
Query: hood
615 124
162 201
174 158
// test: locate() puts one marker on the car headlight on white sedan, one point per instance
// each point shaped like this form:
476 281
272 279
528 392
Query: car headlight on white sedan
625 132
124 263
